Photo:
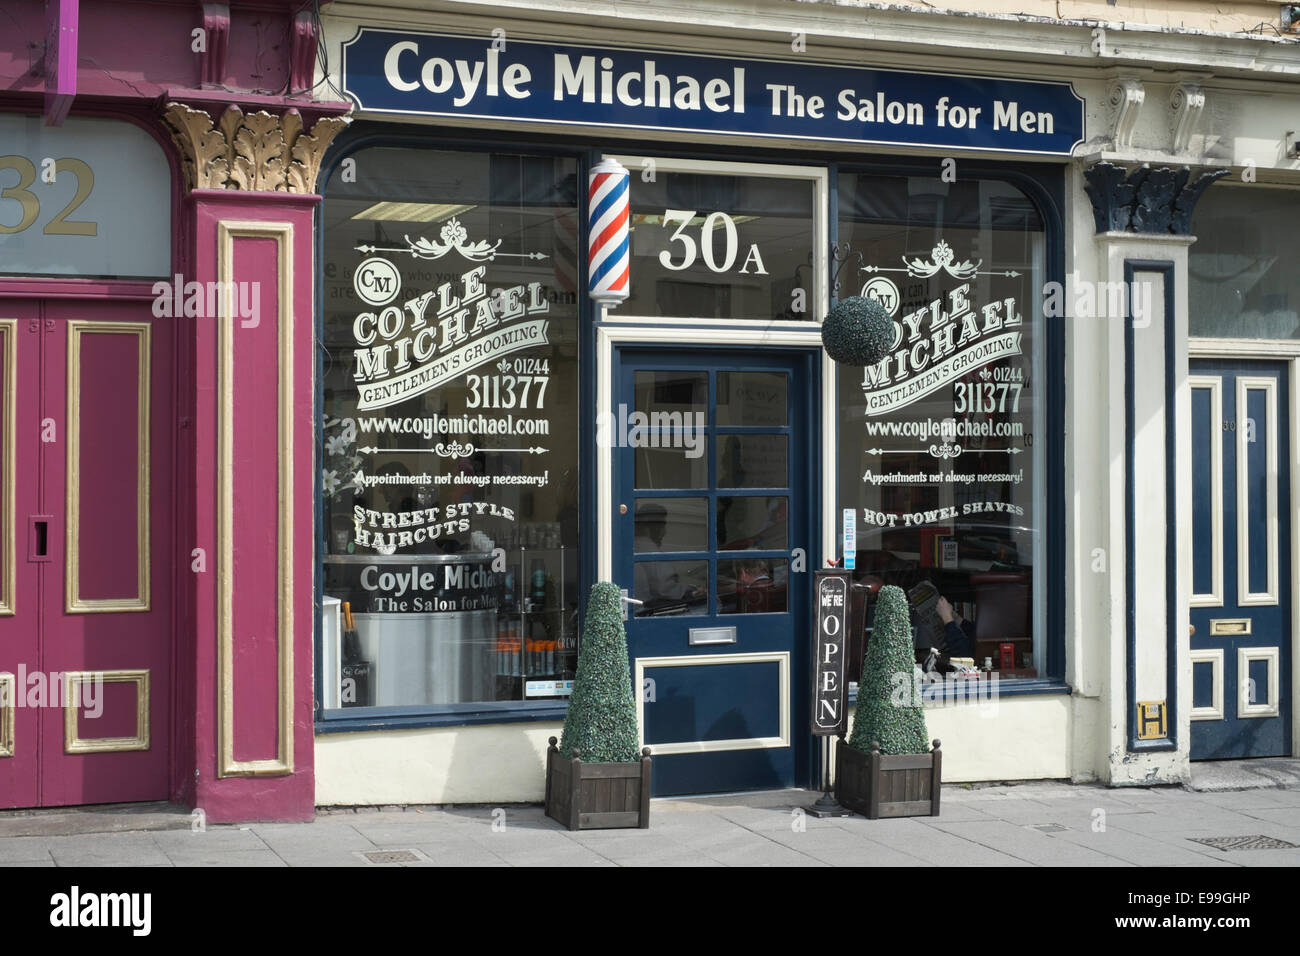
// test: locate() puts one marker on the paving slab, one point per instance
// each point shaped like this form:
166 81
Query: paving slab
201 856
1032 846
23 849
107 849
1132 847
937 847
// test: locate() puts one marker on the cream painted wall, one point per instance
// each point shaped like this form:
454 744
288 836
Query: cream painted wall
488 763
1020 738
1017 738
1216 15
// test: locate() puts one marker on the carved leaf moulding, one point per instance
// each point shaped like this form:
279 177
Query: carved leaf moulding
253 152
1146 200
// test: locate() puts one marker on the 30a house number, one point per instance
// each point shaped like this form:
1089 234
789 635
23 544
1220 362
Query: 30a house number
30 203
705 248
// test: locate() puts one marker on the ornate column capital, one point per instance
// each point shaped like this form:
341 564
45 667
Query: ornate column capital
254 152
1148 200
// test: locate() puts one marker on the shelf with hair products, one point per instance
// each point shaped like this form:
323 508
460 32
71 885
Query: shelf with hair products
536 647
985 616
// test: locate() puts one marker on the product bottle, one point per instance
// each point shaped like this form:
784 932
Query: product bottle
538 585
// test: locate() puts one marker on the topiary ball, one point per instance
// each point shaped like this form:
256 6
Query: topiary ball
857 331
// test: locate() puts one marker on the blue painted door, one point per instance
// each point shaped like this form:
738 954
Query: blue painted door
1241 568
713 454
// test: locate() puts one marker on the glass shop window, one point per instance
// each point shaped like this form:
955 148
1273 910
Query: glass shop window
1242 279
724 240
449 464
937 450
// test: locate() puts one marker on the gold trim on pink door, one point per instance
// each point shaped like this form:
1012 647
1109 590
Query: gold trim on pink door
140 601
8 406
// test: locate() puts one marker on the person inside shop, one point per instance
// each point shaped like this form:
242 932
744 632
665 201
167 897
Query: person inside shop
656 582
958 633
752 591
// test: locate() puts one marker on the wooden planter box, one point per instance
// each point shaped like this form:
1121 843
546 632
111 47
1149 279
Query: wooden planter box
597 796
887 785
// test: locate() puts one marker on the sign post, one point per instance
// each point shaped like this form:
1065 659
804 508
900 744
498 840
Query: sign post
830 650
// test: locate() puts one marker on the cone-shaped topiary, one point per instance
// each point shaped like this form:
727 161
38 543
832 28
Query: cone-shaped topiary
857 331
887 710
601 721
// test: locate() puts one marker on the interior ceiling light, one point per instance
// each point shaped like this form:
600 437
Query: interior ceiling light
650 219
412 211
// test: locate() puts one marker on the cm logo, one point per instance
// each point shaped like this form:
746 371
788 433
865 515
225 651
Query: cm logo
883 290
377 281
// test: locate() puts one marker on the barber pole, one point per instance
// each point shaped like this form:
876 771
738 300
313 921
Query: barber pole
608 255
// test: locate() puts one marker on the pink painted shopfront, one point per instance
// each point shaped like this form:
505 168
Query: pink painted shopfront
157 195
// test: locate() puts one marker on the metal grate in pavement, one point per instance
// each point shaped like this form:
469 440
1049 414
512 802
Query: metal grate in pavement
391 856
1256 842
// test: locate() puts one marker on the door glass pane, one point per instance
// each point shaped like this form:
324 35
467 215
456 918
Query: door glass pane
661 468
752 461
670 588
668 392
753 586
752 398
754 521
671 524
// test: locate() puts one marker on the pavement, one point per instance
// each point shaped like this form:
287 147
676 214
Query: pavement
1025 824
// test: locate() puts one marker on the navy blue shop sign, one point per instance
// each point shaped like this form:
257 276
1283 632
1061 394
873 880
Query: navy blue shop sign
386 71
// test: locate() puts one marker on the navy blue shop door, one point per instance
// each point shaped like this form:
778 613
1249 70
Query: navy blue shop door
1241 567
713 454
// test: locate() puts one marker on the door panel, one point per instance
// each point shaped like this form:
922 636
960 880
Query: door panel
93 665
1241 572
24 533
711 462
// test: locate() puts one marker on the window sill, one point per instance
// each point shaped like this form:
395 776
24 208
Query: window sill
959 692
358 719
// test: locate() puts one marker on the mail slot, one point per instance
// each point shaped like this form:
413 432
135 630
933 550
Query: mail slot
1225 626
712 635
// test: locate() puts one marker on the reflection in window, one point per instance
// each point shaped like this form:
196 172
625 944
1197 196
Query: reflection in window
753 586
753 522
449 392
1242 277
752 461
752 398
937 451
671 524
662 469
669 588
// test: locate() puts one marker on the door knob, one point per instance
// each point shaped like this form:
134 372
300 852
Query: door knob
1191 630
622 509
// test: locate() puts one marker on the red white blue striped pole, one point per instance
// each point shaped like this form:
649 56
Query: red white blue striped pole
609 259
